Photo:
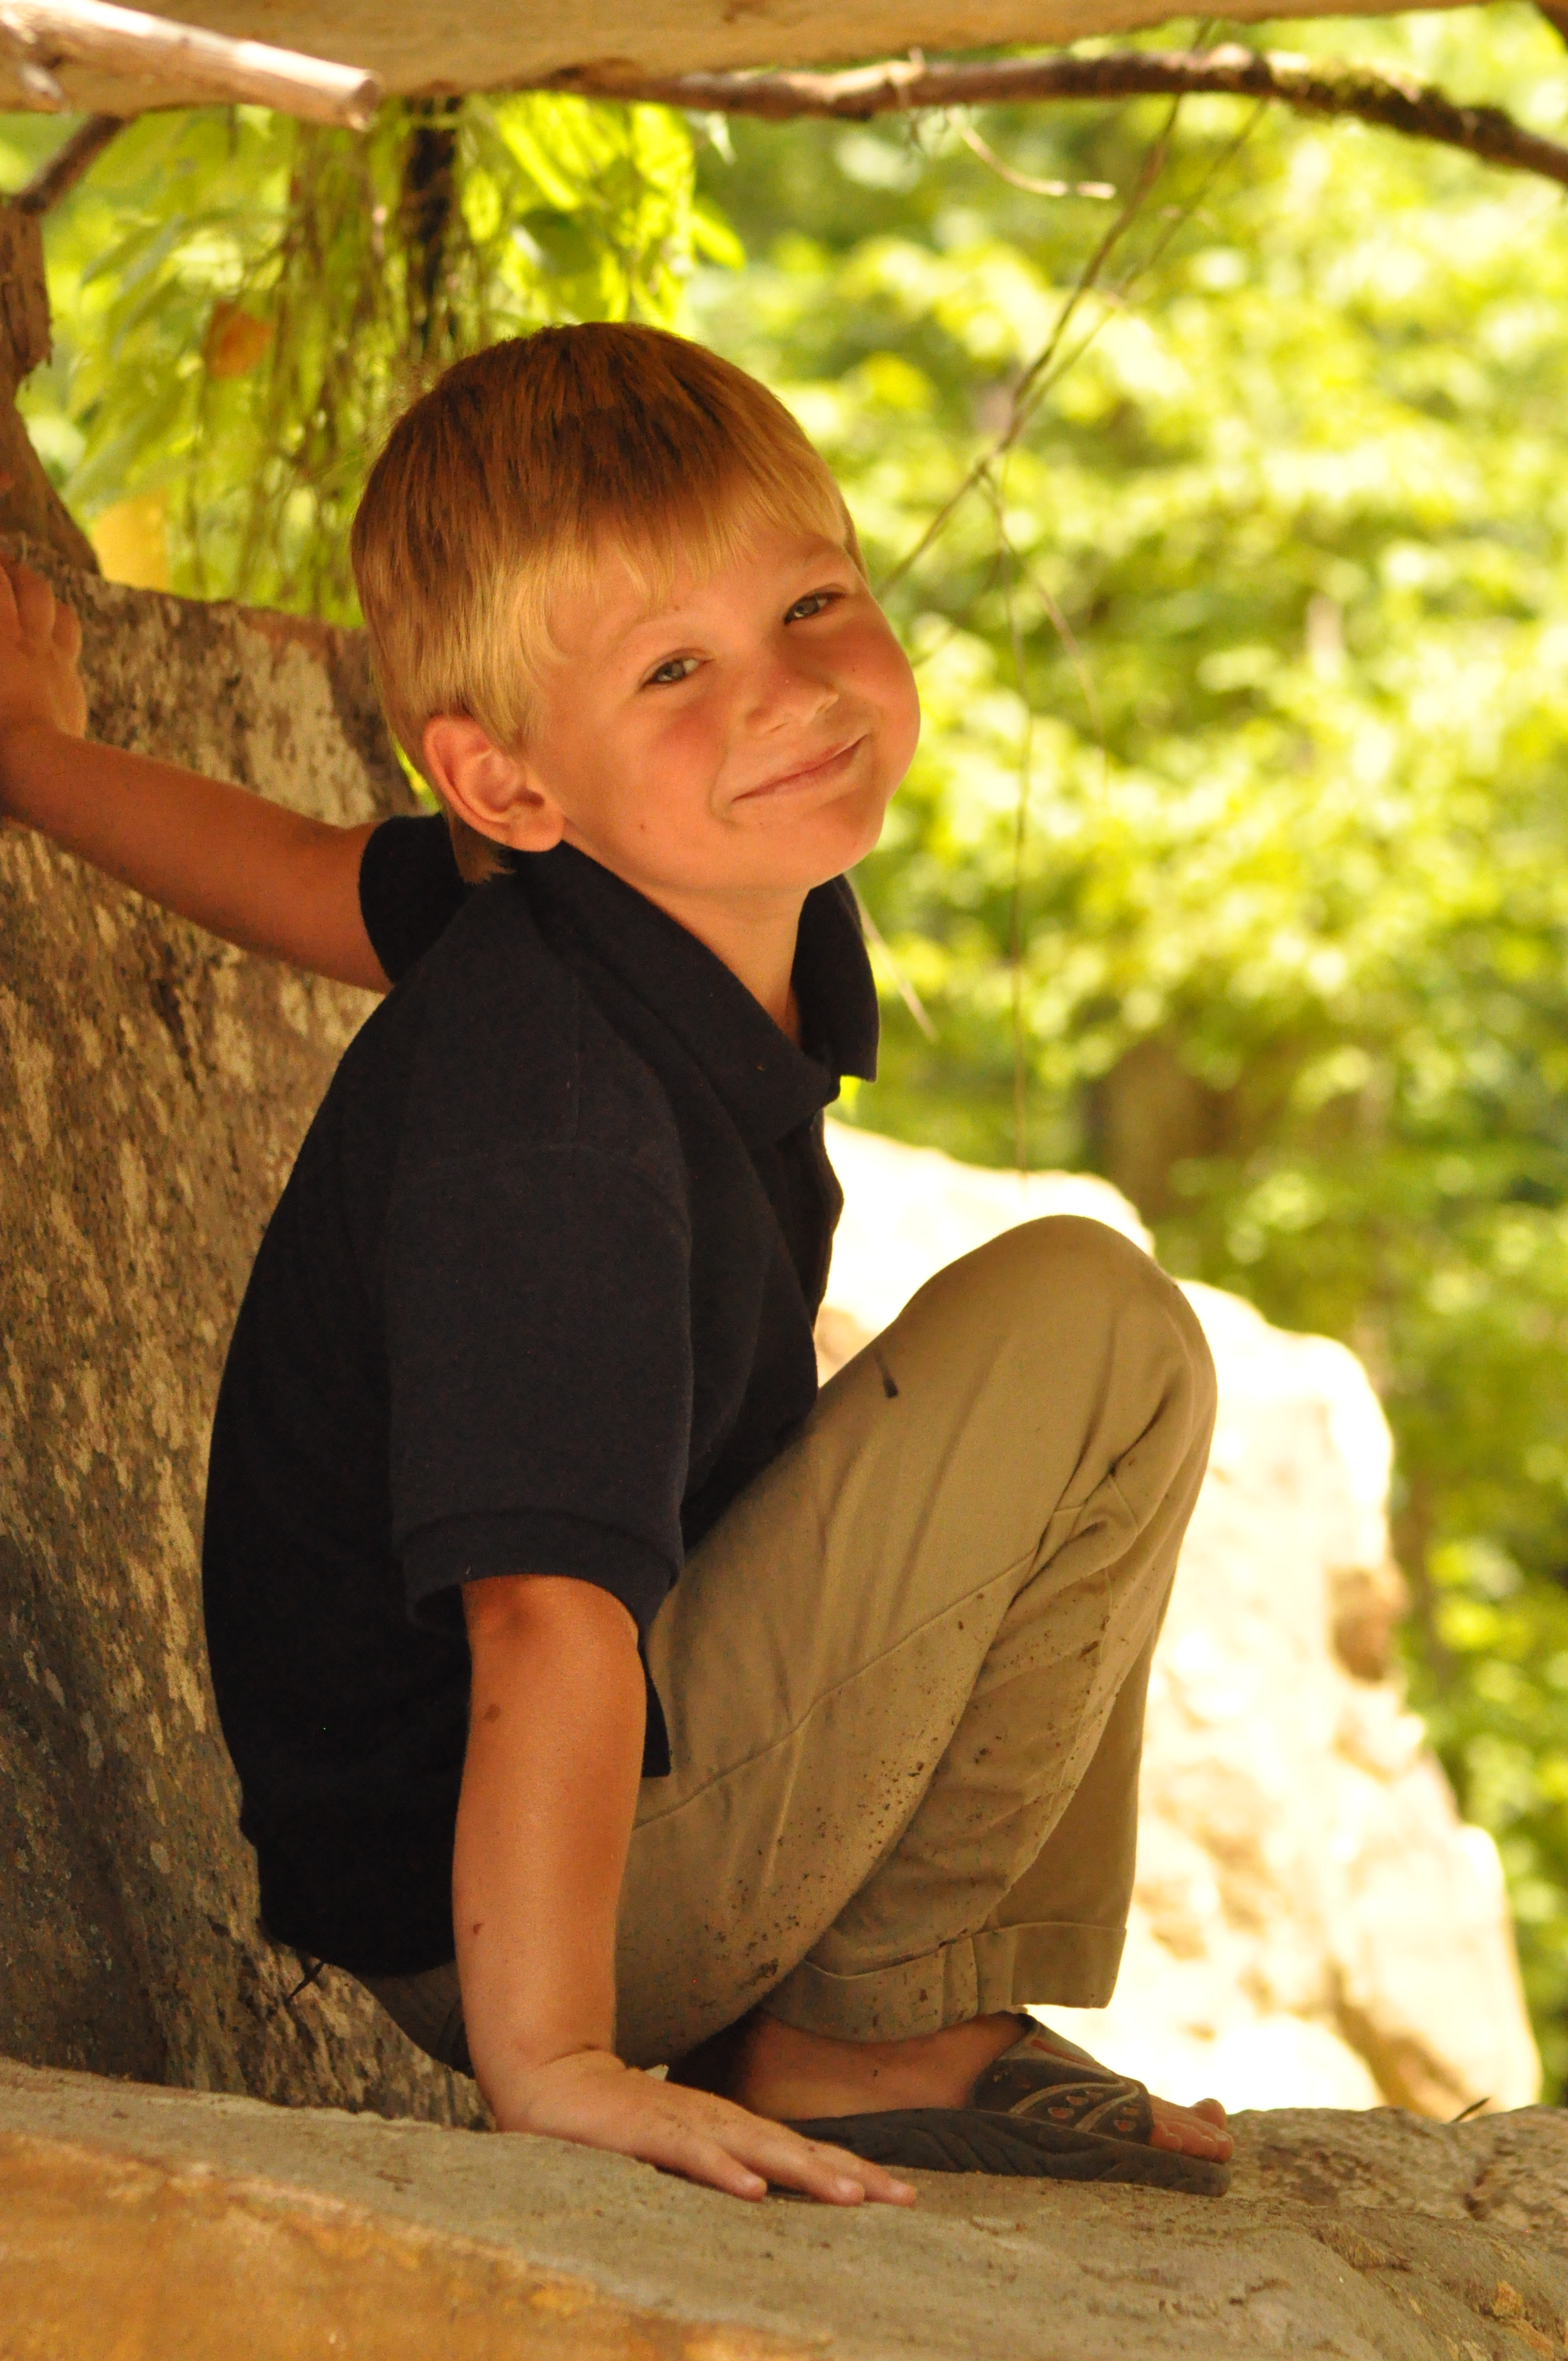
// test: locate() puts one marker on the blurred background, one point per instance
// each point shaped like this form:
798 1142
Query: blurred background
1214 465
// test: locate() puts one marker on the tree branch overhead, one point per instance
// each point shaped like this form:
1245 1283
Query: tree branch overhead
905 85
44 33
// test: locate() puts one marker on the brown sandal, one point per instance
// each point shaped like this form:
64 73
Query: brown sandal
1044 2110
1043 2079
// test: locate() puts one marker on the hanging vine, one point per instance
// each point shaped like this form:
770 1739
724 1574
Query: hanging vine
281 292
986 478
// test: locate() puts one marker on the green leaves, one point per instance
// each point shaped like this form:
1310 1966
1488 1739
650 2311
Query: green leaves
346 272
1294 879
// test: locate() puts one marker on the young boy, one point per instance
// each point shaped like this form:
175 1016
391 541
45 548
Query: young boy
600 1698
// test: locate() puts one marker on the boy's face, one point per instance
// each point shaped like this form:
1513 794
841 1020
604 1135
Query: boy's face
744 735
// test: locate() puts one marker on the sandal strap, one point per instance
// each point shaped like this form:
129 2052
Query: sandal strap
1050 2039
1036 2082
1044 2040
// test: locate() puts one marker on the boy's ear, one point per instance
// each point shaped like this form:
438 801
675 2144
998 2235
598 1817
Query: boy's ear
495 792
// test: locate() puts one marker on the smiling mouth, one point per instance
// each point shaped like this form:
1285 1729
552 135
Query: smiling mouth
807 774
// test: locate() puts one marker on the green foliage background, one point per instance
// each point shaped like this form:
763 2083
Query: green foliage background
369 263
1233 861
1279 607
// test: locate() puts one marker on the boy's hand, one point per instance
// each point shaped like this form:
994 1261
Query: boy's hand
550 1787
592 2098
41 640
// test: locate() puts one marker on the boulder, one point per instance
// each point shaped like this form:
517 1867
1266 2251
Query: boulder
1314 1924
154 1086
166 2225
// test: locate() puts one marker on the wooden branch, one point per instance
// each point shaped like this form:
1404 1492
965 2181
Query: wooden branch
1393 102
28 501
59 173
45 34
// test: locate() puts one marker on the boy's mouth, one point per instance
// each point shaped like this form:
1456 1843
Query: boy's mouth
806 774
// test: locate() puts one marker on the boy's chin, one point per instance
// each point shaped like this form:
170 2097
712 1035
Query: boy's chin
809 848
803 850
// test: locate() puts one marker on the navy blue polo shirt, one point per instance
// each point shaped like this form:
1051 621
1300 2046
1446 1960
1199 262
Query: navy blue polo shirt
537 1297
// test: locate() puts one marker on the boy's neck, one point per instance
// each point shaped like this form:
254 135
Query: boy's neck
754 935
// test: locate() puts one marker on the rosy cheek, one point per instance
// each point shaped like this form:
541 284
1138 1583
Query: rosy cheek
680 738
889 683
678 752
876 657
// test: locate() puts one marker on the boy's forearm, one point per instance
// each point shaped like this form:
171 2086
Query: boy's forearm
550 1787
265 878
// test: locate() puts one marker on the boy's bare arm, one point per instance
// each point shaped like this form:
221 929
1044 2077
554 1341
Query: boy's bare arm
270 880
549 1793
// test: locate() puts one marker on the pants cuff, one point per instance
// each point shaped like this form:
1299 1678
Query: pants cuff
978 1975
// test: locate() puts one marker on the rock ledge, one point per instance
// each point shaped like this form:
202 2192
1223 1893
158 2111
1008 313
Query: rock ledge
142 2222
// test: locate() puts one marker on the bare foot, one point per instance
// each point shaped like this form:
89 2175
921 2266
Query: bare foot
1197 2130
779 2071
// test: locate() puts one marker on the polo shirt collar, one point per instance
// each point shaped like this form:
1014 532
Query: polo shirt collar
769 1086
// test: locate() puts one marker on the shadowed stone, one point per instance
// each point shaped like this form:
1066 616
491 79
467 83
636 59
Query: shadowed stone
154 1086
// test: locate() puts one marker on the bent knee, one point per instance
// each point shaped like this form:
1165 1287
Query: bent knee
1099 1279
1061 1250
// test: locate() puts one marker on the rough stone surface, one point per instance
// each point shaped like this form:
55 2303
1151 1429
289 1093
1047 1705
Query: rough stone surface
154 1086
143 2223
1312 1923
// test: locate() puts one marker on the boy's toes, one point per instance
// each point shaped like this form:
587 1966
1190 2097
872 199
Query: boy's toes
1194 2131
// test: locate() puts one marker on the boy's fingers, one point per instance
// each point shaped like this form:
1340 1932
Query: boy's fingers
844 2179
9 623
713 2163
814 2167
34 603
704 2137
818 2171
677 2146
879 2183
743 2154
68 632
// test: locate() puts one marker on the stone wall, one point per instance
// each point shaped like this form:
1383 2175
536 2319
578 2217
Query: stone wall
1312 1923
154 1086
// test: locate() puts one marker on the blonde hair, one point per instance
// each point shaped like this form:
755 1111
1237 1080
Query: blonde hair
502 486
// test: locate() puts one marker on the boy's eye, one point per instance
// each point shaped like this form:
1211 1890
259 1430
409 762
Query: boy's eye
672 669
816 602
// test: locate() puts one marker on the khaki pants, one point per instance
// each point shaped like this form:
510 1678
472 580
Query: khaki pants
905 1676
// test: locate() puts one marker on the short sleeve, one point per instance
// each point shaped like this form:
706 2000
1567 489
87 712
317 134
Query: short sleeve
540 1367
411 888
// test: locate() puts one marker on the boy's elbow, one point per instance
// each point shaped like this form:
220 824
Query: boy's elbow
512 1611
564 1650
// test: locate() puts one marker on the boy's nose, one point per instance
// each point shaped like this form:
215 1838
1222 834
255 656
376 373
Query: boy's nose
784 693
